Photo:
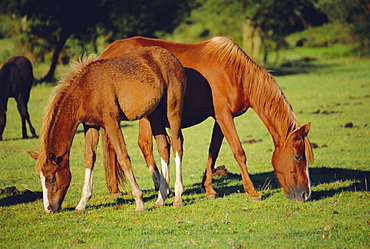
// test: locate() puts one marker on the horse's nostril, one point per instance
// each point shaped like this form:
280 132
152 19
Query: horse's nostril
305 196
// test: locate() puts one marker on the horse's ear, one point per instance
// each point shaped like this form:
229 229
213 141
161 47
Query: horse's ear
33 154
301 132
56 160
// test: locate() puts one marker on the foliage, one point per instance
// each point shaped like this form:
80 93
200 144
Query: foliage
57 21
268 22
323 36
354 14
337 217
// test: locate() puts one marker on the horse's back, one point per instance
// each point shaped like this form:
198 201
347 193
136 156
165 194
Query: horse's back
198 104
138 79
17 76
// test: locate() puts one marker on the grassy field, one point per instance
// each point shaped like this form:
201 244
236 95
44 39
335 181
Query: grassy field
329 93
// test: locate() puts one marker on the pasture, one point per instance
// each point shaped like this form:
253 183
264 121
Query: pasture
329 93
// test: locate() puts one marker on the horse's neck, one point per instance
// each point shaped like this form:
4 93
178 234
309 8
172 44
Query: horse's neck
62 129
275 111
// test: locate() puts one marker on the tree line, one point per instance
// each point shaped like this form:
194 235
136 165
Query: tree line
263 24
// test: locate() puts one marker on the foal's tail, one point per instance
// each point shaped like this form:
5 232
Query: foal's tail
114 175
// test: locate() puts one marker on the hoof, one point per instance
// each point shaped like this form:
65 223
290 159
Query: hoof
158 204
178 204
79 210
117 194
255 198
211 196
139 210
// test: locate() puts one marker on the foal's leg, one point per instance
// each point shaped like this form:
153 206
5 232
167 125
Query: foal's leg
174 118
156 119
91 142
145 143
214 149
164 153
114 132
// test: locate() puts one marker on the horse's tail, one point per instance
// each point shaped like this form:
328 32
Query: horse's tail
114 175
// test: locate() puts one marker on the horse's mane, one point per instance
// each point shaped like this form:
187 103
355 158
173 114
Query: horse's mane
264 93
55 98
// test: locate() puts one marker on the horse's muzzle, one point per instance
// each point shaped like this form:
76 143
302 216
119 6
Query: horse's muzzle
54 209
300 194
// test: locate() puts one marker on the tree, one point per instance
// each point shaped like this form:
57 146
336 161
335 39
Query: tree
268 22
56 21
258 25
352 13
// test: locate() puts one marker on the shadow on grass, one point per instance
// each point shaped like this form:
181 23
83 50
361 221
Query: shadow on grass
232 183
303 65
25 197
358 179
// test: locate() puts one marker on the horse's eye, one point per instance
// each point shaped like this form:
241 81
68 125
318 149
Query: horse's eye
298 158
51 180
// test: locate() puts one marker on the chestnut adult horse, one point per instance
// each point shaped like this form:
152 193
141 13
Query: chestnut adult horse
16 80
223 82
149 82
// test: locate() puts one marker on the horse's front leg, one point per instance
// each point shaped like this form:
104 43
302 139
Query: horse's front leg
177 145
91 142
226 123
113 130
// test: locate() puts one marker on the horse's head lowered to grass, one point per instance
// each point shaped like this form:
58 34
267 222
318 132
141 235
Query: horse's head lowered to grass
55 177
291 162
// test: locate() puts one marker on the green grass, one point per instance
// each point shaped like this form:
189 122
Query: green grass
337 217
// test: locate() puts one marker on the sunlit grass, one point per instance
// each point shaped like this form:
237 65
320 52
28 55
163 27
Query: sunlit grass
337 217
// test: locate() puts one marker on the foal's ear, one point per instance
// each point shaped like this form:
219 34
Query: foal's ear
33 154
54 159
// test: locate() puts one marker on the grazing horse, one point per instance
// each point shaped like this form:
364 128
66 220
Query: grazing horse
223 82
16 80
100 93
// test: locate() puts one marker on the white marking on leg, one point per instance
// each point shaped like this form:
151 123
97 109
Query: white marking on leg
86 191
164 184
179 188
44 193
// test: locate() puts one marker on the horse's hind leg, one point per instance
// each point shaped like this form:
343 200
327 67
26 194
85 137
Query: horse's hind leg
91 142
114 132
145 143
23 111
2 118
174 119
214 149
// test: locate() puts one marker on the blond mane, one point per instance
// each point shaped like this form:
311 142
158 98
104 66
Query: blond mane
261 87
55 98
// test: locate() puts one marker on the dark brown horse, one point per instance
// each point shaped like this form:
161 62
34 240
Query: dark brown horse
223 82
16 80
100 93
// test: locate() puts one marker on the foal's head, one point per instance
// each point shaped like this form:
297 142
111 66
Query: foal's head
291 165
55 177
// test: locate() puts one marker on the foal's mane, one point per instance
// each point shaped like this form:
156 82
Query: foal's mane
50 111
264 93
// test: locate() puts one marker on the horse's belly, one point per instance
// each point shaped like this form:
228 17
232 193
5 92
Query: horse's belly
135 108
